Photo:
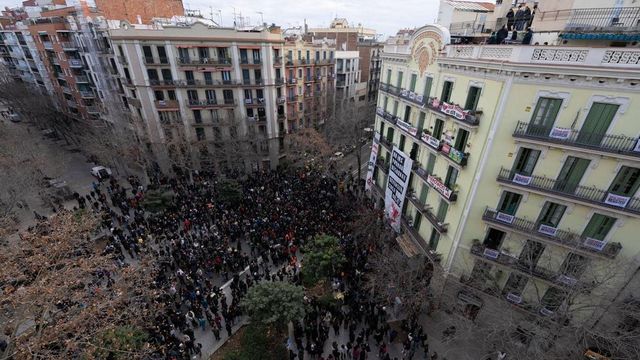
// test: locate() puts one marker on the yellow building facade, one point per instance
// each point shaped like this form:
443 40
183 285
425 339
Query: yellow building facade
526 165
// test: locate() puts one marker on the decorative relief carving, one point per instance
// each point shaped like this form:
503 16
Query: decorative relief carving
559 55
621 57
496 52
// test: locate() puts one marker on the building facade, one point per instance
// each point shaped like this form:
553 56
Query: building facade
370 65
22 59
204 95
310 81
526 167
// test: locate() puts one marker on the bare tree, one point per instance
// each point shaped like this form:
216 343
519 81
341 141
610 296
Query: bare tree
63 296
559 322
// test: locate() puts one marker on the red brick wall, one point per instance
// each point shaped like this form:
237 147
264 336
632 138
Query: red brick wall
147 9
365 62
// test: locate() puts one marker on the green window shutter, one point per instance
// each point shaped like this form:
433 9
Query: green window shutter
597 123
427 87
442 210
572 172
626 182
599 226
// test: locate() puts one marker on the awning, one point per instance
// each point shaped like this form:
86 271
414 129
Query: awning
601 36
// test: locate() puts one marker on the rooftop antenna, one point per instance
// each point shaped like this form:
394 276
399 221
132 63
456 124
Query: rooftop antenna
220 16
261 16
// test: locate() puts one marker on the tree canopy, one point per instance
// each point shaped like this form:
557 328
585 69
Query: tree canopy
274 303
323 257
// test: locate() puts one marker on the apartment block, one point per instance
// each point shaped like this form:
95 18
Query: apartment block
309 66
21 58
524 168
208 95
370 65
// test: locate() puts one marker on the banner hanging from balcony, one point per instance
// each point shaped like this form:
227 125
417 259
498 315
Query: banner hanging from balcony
372 161
397 184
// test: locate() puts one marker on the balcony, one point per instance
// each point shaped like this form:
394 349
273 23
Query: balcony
280 100
567 239
161 83
455 112
585 195
167 104
574 139
194 103
69 45
614 20
247 61
156 60
92 109
522 267
425 210
254 102
81 79
87 94
579 57
75 63
419 240
437 184
203 61
47 45
435 144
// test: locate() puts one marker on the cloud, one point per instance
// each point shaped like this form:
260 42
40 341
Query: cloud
386 16
383 15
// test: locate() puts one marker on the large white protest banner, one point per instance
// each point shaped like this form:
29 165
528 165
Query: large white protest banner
399 171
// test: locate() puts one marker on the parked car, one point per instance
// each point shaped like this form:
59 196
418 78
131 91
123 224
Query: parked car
60 189
101 172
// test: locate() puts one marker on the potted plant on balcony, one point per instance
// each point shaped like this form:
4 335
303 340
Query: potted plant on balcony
475 242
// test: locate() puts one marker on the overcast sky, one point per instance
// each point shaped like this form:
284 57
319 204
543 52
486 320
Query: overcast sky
386 16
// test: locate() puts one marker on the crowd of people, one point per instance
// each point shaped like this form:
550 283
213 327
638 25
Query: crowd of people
203 240
518 22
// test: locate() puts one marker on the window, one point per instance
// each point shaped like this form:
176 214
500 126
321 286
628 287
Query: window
531 254
434 239
203 52
421 119
166 74
626 182
553 298
153 74
211 96
246 77
395 107
515 284
597 123
256 56
424 191
192 95
148 54
452 177
437 128
412 85
447 88
407 113
544 116
574 265
159 95
299 54
427 87
184 56
197 116
473 96
526 161
402 140
226 76
572 172
172 94
389 76
442 210
509 203
189 76
493 239
208 79
598 227
200 134
431 163
243 56
461 140
299 73
228 96
551 214
162 55
399 83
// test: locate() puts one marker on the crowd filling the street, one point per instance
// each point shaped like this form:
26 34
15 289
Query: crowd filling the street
214 242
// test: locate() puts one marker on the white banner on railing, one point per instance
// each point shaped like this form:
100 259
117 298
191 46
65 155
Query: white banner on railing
397 183
521 179
617 200
375 146
560 133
